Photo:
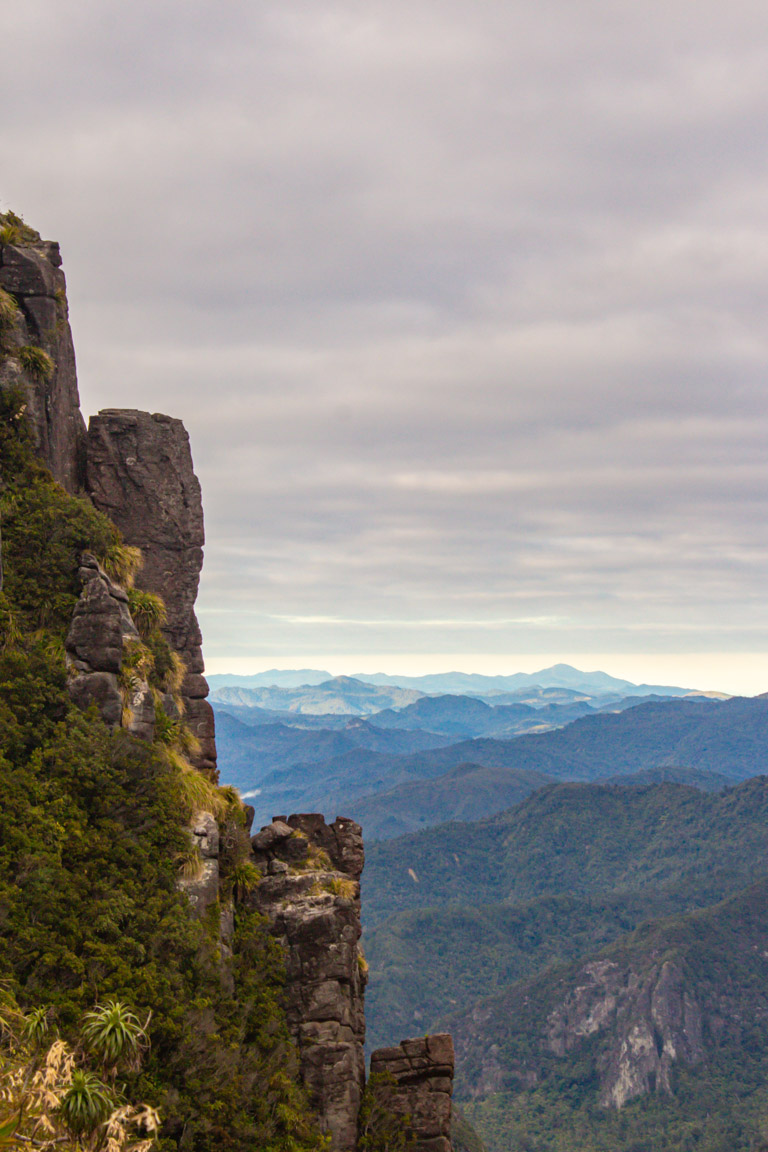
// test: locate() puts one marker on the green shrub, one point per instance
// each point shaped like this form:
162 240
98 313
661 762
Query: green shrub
9 312
121 562
379 1128
147 610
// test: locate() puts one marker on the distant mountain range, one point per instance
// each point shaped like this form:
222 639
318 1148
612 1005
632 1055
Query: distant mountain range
456 683
377 774
340 696
558 676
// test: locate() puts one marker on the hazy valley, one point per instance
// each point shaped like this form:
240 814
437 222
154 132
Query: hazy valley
552 871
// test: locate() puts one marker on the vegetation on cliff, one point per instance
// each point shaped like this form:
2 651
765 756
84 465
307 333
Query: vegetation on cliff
94 824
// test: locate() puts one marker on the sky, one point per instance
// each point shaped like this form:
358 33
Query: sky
463 305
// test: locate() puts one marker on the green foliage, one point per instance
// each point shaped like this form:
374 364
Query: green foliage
464 1138
9 312
113 1032
53 1099
147 610
45 530
36 362
87 1102
243 879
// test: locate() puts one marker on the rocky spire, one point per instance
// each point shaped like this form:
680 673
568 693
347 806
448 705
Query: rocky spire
140 474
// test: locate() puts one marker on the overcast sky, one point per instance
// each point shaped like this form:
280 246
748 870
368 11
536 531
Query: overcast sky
465 307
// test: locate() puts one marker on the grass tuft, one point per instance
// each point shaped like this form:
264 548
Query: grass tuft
36 362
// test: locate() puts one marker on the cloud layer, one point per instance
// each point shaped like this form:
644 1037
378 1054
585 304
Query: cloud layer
463 305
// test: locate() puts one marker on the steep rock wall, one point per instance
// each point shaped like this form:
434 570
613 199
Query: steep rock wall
654 1022
139 473
32 274
310 891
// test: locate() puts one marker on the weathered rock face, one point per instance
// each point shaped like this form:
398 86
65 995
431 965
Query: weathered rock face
140 473
420 1074
654 1020
32 274
100 633
203 890
310 892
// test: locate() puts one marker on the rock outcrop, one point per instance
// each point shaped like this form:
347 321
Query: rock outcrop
99 638
310 891
416 1086
32 274
203 888
653 1019
140 474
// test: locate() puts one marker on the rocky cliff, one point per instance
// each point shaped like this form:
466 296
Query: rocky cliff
139 472
655 1031
136 468
31 275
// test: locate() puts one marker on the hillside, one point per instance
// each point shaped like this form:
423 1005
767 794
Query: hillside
578 839
659 1041
466 792
457 912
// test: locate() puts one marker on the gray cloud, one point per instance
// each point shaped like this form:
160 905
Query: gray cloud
463 305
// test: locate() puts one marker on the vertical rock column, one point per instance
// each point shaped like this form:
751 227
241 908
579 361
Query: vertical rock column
140 473
32 274
420 1075
311 894
100 630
